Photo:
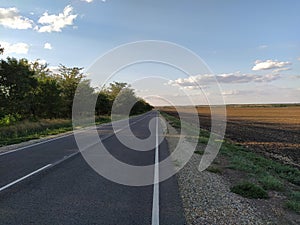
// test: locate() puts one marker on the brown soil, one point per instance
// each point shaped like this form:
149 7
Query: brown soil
273 131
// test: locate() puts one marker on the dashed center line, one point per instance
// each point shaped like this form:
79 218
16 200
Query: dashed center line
23 178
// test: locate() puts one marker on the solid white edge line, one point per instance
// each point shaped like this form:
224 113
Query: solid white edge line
155 205
23 178
35 144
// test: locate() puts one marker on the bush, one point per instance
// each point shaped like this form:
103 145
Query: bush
9 119
294 201
293 205
270 182
249 190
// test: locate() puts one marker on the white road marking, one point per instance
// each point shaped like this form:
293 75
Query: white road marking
155 205
61 160
35 144
23 178
67 135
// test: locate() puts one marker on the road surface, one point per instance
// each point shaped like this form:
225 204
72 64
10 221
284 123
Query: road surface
51 183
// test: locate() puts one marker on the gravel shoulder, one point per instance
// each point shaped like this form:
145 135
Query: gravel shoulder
207 198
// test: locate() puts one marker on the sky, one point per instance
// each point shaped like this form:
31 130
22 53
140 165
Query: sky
250 49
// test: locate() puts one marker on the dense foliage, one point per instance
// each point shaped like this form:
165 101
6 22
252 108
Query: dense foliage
31 90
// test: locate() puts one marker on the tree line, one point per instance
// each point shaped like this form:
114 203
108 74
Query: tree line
32 90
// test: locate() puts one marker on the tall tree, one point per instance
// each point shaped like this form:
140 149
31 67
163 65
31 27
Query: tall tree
114 89
1 50
103 105
69 78
124 100
47 100
17 83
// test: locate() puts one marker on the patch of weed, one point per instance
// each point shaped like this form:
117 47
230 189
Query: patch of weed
270 182
200 152
249 190
214 169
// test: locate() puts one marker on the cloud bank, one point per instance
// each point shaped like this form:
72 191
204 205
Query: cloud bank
17 48
193 82
10 18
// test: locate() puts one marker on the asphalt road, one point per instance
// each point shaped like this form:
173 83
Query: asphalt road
66 190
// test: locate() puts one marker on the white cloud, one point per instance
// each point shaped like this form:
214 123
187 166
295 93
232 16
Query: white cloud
40 61
263 46
54 69
299 58
230 92
56 22
261 94
269 64
281 69
89 1
10 18
194 82
18 48
47 46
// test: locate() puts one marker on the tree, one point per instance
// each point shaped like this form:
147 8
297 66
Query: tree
114 89
32 90
68 78
124 100
1 50
17 83
140 106
103 105
46 102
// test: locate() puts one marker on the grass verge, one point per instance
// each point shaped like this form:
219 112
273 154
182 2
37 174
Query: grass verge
29 130
294 202
249 190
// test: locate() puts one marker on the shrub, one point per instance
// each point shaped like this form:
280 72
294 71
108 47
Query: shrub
270 182
9 119
214 169
249 190
294 201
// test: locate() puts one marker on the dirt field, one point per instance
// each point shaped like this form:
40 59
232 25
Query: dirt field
273 131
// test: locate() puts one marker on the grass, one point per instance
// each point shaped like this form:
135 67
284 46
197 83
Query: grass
214 169
294 201
174 122
27 130
270 182
249 190
200 152
260 174
252 163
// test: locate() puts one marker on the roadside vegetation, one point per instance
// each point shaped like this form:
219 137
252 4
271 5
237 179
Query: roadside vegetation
35 101
258 175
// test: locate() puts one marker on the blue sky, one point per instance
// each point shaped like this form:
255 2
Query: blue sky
253 47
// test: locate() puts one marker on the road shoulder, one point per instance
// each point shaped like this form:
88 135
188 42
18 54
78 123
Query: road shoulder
207 198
